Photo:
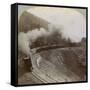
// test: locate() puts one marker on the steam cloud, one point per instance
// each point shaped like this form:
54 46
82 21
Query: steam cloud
25 40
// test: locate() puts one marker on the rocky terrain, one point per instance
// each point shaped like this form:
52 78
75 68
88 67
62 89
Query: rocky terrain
59 62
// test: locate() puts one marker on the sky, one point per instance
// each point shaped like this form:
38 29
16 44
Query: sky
22 8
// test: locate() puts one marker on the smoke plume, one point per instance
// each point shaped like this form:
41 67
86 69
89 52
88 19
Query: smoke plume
25 40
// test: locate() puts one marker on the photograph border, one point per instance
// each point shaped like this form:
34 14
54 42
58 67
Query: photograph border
14 43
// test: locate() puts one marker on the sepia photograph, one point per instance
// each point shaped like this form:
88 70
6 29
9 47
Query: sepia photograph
52 44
